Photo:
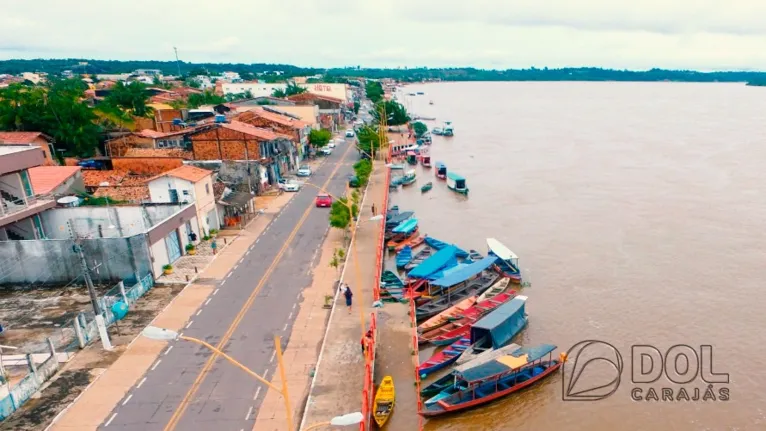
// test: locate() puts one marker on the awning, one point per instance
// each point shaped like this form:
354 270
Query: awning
237 199
465 272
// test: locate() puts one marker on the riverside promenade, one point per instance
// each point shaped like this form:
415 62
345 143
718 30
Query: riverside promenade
336 388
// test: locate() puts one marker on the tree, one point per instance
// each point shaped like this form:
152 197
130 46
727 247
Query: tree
356 106
205 98
419 128
396 113
363 170
291 89
369 138
319 138
374 90
131 98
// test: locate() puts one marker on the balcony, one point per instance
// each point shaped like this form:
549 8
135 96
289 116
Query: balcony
13 209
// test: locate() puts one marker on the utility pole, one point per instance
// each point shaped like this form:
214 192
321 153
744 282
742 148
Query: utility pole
178 64
100 323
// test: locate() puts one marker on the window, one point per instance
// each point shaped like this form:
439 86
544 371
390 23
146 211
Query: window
186 192
207 186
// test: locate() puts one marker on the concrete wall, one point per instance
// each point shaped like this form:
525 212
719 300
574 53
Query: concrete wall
257 89
307 113
94 222
205 202
159 251
11 183
54 262
337 91
235 174
159 189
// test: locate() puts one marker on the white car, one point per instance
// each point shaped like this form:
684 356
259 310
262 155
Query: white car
326 150
349 133
304 171
289 185
331 144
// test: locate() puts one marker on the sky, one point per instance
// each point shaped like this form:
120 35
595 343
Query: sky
496 34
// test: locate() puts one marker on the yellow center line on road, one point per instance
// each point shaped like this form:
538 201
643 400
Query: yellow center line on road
229 332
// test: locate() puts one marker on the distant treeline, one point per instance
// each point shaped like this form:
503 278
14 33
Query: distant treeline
248 71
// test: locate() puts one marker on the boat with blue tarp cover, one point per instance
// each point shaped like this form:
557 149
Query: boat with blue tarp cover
406 227
404 257
438 245
396 220
507 261
420 257
457 286
465 376
497 328
443 258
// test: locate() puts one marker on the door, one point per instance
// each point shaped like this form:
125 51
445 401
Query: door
173 246
173 195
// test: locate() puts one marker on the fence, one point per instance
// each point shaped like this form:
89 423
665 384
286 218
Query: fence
416 355
24 389
369 369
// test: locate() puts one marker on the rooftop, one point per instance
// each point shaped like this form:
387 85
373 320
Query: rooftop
273 116
20 138
94 178
158 152
46 178
135 194
247 129
186 172
5 150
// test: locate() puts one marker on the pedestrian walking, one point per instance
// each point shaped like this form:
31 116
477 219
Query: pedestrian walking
347 293
366 340
374 213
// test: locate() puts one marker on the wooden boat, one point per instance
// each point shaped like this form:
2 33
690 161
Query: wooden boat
397 166
409 178
427 187
399 218
477 388
425 161
384 402
402 239
404 256
389 279
453 331
448 130
458 285
437 131
444 258
449 315
438 245
456 183
507 261
497 328
417 259
441 171
412 158
430 102
444 358
412 242
406 227
482 358
499 287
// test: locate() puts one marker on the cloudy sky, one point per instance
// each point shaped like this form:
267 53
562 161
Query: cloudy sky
696 34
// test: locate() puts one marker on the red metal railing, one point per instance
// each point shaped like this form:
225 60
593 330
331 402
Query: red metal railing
415 356
369 360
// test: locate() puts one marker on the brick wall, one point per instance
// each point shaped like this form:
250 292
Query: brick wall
233 145
256 121
164 119
117 147
146 165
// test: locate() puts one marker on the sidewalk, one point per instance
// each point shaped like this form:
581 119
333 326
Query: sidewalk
338 382
94 405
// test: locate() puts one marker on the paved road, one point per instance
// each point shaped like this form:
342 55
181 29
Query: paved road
226 398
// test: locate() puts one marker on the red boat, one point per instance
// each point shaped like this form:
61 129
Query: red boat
412 241
444 358
452 332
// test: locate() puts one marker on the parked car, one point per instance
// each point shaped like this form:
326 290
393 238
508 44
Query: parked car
331 144
326 151
304 171
324 200
353 181
289 185
349 133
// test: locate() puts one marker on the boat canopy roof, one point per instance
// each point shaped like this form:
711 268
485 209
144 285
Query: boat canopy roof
464 273
395 220
502 324
440 165
446 271
411 172
411 151
406 226
443 258
435 243
500 250
454 176
503 364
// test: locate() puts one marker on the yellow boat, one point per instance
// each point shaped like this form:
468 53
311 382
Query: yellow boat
384 401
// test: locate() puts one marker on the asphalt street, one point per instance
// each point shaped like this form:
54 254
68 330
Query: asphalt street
226 398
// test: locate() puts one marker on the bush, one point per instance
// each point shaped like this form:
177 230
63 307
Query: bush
167 267
190 247
419 128
363 170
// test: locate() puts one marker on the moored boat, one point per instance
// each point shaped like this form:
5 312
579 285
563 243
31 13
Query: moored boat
425 161
446 257
384 402
437 131
426 187
444 358
456 183
496 289
458 286
497 379
438 245
411 242
449 315
395 242
409 178
497 328
396 166
453 331
448 130
412 157
441 171
421 256
404 256
507 261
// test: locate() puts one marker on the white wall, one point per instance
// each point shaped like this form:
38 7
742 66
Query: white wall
128 221
159 189
160 255
256 88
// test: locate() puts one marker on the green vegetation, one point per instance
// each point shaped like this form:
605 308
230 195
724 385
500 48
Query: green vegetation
357 105
369 138
93 201
374 90
396 113
419 128
320 138
291 89
130 98
239 96
55 109
340 216
205 98
363 170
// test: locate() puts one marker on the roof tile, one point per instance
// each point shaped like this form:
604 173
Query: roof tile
46 178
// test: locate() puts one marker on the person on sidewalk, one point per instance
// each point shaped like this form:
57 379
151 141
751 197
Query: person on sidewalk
347 293
366 340
373 210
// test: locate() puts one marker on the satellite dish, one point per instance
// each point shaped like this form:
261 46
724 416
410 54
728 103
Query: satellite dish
104 184
69 201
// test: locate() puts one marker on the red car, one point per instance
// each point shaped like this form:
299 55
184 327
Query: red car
324 200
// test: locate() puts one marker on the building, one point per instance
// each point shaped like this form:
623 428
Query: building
256 89
56 180
334 90
306 113
330 109
280 122
188 184
34 139
35 78
148 139
19 205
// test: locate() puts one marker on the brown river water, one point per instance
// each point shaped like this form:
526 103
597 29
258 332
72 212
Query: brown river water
639 215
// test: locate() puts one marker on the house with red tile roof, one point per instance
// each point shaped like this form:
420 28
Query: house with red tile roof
279 122
330 108
56 180
188 184
20 205
35 139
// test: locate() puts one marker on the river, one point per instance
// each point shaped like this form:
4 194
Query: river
638 213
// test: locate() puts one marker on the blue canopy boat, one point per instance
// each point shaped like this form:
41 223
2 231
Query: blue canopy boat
441 171
391 287
443 358
456 183
406 227
438 245
463 289
396 220
420 257
443 258
404 257
496 379
497 328
514 361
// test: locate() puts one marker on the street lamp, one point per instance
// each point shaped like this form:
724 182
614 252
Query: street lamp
162 334
340 421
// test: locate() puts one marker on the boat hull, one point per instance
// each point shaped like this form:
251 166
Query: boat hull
384 402
442 406
444 358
